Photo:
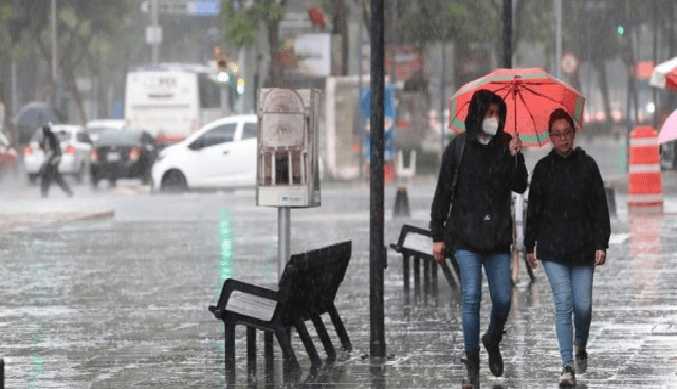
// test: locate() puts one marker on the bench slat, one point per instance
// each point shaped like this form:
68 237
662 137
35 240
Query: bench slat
418 242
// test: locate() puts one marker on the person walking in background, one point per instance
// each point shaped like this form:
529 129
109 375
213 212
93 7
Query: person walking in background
50 166
478 221
568 224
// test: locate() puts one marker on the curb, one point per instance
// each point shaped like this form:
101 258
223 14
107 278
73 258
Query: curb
24 221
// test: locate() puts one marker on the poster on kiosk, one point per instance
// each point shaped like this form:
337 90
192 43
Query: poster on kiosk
287 163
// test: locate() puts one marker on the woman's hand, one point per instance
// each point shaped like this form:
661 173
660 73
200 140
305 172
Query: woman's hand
438 252
515 145
531 260
600 257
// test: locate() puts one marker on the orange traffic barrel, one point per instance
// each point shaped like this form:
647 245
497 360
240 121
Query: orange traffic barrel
644 172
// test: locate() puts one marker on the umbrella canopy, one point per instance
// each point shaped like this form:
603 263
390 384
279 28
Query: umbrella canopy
32 116
35 114
669 129
531 95
665 75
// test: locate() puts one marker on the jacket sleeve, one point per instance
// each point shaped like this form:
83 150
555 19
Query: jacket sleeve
534 209
442 197
599 209
518 172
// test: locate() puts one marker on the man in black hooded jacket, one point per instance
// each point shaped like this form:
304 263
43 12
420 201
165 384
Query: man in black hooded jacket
480 221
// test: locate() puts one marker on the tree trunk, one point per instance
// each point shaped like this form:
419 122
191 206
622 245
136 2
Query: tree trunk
604 88
73 87
275 71
342 29
275 66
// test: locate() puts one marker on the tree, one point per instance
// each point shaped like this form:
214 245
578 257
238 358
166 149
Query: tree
242 18
79 22
461 22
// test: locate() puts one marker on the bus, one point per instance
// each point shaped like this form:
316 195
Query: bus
171 100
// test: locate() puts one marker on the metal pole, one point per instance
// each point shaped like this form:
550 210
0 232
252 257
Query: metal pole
154 20
671 33
376 225
558 34
507 34
393 44
241 73
360 71
14 92
283 238
655 61
443 82
224 100
54 53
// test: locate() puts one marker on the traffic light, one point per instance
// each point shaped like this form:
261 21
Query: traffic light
240 86
222 63
224 75
620 29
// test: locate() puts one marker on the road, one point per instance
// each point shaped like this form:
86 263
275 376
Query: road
120 301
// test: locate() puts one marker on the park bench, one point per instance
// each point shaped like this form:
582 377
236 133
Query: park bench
306 290
417 242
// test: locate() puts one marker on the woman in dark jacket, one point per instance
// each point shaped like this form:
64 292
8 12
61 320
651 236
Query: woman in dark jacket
568 221
480 221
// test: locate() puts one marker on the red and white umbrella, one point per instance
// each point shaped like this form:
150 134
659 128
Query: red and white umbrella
531 94
665 75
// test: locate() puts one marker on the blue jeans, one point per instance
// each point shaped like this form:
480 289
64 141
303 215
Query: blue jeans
497 267
572 292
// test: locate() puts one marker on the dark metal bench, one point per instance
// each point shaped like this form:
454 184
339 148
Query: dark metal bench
417 242
306 290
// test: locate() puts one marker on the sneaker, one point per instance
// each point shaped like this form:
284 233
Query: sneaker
581 360
490 342
567 379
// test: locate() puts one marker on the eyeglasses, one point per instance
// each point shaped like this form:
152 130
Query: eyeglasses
562 135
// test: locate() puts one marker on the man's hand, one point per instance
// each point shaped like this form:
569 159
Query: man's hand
515 145
438 252
531 260
600 257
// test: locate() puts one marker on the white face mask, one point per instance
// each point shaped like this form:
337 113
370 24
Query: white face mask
490 126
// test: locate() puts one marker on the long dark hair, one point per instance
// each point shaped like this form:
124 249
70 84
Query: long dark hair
479 104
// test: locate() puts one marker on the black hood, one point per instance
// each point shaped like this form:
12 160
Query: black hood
479 104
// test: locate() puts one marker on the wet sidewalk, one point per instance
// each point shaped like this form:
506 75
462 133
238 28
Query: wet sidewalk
121 302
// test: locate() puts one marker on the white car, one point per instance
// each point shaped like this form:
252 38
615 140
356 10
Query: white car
220 154
75 149
95 127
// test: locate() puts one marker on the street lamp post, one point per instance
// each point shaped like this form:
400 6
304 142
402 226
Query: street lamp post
558 38
376 206
154 20
54 53
507 34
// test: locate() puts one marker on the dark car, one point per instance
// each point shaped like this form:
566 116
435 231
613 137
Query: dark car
122 154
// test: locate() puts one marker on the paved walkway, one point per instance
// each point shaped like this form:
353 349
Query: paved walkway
120 304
